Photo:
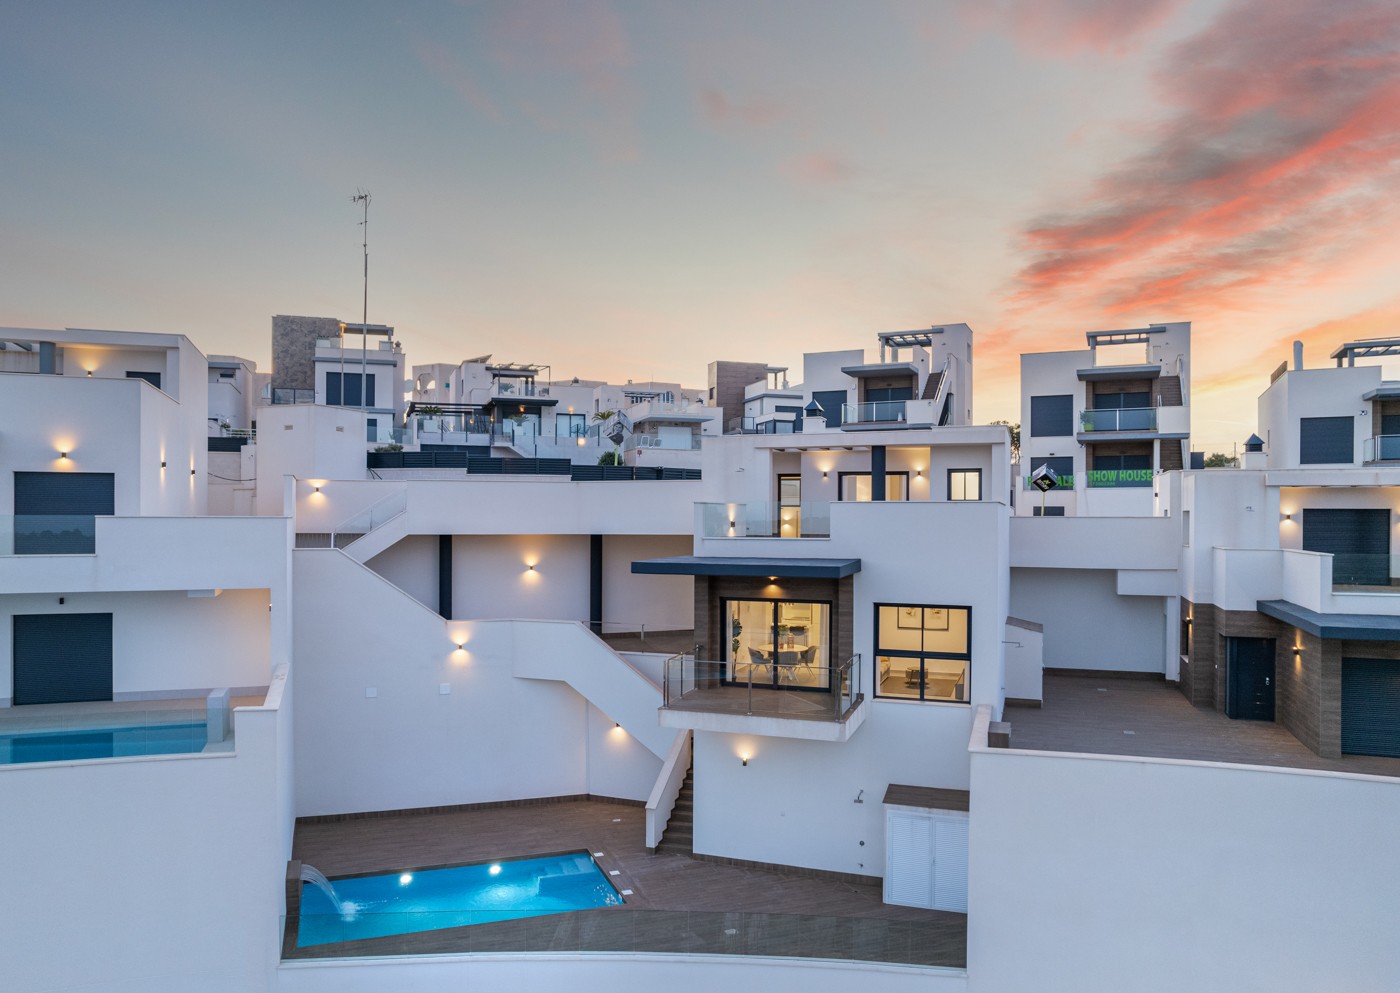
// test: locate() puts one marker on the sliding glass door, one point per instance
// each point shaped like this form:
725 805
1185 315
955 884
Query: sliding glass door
778 643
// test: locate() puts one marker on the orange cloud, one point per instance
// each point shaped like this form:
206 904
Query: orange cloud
1279 158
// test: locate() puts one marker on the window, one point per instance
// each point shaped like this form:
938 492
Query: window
964 484
151 377
778 644
1052 416
1122 401
856 486
350 395
570 426
1048 512
923 652
789 506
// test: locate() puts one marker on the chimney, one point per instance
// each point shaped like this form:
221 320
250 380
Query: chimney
1297 355
1254 457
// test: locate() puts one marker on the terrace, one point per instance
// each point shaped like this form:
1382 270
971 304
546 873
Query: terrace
1108 715
674 903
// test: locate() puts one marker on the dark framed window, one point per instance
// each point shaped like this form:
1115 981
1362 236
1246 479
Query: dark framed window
1052 416
570 425
856 486
151 377
964 484
923 652
345 391
1047 511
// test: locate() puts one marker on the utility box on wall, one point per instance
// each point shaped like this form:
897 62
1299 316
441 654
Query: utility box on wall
926 848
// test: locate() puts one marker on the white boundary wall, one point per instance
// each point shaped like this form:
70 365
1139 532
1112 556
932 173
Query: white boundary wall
1097 874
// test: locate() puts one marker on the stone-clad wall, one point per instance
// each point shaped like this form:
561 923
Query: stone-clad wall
294 349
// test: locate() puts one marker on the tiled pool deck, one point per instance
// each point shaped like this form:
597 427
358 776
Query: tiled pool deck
677 903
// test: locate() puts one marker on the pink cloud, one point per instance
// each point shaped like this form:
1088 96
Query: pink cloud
817 170
1067 27
719 110
1280 155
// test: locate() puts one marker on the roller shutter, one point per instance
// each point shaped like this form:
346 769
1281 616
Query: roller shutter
1326 441
1371 707
62 658
1358 540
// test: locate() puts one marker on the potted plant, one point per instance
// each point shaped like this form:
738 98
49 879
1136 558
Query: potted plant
429 417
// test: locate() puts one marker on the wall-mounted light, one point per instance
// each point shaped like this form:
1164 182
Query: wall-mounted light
823 474
744 760
1188 621
1297 649
191 472
62 455
1288 517
772 579
89 376
530 567
316 489
731 524
162 464
582 441
461 645
918 474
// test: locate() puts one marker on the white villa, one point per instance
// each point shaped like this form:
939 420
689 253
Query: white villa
825 689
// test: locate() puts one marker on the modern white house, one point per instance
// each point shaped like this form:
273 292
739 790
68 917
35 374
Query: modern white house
801 687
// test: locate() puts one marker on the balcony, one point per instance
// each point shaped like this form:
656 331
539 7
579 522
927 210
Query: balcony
690 443
288 396
879 412
765 520
778 699
1125 419
1381 448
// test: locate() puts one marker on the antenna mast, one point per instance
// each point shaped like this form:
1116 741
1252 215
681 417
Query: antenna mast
361 196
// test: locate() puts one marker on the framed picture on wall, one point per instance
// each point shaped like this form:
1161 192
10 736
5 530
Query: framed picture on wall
797 613
925 618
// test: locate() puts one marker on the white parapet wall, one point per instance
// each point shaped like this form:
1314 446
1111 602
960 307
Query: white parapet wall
1098 874
158 874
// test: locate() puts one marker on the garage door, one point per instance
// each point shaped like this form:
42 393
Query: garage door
1359 541
1371 707
62 658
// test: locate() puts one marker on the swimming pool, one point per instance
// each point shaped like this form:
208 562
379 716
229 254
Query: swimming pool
428 899
102 743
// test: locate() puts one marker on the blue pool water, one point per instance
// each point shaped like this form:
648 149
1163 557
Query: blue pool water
402 903
102 743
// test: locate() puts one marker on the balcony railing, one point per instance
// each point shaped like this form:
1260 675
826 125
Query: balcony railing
48 534
1373 571
777 688
1381 448
691 444
281 396
1125 419
1119 478
765 520
878 412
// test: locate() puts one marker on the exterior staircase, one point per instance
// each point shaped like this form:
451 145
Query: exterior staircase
679 838
1171 454
931 387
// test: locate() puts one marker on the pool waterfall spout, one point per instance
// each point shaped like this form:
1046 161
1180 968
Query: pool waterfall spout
314 876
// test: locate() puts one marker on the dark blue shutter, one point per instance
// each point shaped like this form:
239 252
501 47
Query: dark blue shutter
333 390
54 511
369 390
1326 440
62 658
1358 540
1052 417
831 402
1371 707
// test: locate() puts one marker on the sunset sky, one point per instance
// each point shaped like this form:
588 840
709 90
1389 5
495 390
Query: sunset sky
630 190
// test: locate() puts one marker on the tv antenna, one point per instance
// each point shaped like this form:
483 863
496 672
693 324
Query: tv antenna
361 196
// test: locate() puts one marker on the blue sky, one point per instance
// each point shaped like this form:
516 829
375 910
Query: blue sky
633 189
